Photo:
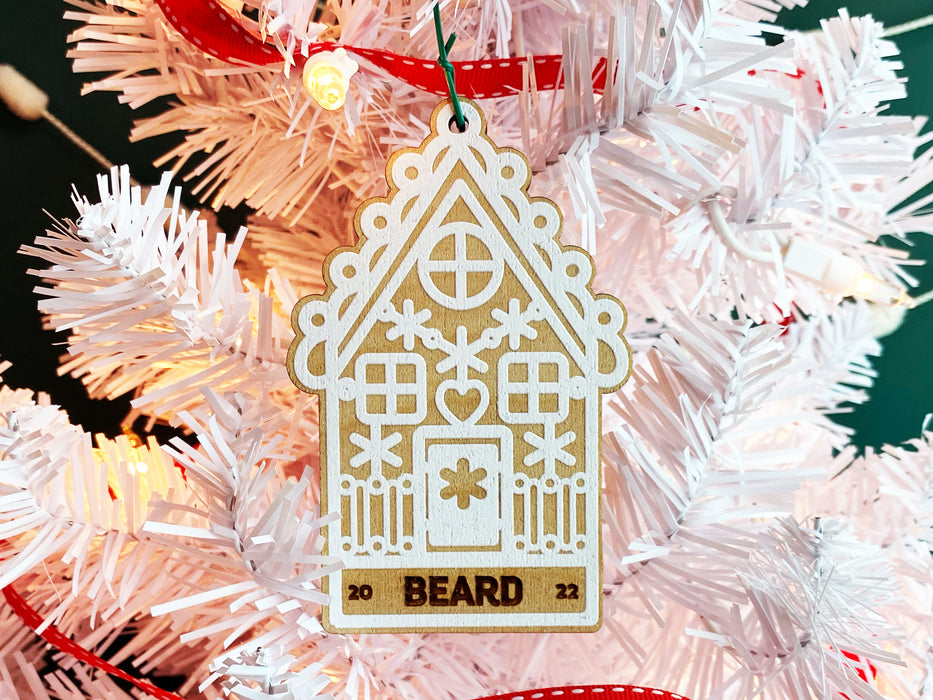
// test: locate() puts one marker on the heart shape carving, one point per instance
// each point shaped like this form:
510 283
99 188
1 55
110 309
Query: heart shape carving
462 402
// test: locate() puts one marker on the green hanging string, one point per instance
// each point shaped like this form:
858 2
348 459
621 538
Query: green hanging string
442 49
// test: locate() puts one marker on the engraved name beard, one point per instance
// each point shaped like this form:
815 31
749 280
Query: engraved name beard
505 591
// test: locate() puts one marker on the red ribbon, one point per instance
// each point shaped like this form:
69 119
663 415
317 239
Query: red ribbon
580 692
590 692
210 27
51 634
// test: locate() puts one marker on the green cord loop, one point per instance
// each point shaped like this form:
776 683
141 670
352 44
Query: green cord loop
442 49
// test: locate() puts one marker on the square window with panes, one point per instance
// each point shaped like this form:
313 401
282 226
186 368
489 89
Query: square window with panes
393 388
532 387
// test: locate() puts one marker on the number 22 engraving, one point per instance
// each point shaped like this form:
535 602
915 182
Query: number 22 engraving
566 591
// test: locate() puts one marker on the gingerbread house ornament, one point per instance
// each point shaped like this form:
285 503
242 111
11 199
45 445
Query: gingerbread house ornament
460 357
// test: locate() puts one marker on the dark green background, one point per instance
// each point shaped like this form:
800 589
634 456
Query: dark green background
38 167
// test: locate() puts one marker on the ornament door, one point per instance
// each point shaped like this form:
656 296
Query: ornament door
464 471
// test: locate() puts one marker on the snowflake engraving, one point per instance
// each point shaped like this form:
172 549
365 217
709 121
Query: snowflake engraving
463 484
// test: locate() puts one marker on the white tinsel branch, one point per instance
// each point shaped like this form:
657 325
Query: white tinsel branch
157 308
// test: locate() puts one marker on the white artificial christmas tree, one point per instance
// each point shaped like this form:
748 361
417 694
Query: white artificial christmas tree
734 196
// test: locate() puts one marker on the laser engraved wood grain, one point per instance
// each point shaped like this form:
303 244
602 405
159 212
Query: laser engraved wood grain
460 355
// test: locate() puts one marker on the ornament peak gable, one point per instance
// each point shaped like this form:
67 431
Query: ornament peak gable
457 190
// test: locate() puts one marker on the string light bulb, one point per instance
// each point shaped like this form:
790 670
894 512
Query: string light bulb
327 76
832 270
840 274
136 444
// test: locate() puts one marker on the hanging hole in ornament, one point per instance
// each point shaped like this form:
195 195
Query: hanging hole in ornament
508 172
411 172
317 320
604 318
540 221
380 222
572 271
455 128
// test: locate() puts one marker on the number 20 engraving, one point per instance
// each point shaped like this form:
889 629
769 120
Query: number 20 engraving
363 592
566 591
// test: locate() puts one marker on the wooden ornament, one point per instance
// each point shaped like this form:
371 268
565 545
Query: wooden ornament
460 355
